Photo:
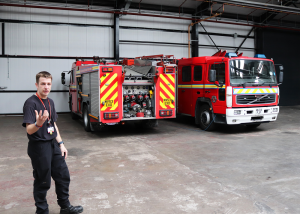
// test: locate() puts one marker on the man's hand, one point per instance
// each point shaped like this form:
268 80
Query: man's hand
40 119
64 151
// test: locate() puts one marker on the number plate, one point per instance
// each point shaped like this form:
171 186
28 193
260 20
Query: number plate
109 103
111 124
258 110
167 102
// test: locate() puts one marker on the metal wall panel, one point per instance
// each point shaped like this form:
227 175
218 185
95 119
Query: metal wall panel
19 75
134 50
95 94
154 22
12 103
47 15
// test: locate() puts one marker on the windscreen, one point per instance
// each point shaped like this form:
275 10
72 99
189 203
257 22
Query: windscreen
255 72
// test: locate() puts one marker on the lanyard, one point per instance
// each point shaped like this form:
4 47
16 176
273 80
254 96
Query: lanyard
49 118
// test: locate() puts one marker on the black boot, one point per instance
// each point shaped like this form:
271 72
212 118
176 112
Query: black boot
71 210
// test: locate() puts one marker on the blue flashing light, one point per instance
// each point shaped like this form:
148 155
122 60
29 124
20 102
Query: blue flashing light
230 55
260 56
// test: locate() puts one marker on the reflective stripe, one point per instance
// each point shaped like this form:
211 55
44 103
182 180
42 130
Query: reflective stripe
113 98
255 91
167 82
103 87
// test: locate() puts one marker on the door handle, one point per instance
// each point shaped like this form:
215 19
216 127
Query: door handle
198 92
182 90
207 91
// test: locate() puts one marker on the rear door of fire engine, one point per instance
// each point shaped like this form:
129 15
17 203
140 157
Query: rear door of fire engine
216 93
185 90
110 93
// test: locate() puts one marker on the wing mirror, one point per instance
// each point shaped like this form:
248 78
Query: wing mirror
281 74
212 75
63 78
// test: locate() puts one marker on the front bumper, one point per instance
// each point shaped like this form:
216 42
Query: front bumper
252 115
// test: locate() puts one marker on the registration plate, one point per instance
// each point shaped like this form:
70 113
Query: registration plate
167 102
258 110
111 124
109 103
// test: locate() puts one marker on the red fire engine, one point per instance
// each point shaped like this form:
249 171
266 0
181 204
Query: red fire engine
109 93
228 88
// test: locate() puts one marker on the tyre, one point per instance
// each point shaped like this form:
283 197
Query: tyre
205 118
86 119
253 126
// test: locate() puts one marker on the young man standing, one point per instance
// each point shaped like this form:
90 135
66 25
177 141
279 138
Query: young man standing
46 148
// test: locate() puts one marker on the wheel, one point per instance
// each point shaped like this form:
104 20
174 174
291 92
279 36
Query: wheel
86 119
205 118
253 126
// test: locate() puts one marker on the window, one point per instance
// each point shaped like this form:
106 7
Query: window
220 72
197 73
186 74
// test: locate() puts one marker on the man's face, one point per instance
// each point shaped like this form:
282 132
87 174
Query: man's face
44 86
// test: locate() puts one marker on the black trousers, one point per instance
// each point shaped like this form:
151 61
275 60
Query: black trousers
47 162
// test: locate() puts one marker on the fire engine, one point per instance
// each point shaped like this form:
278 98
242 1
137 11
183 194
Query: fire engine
228 88
110 93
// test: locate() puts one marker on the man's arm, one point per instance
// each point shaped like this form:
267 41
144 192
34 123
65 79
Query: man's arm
40 119
64 151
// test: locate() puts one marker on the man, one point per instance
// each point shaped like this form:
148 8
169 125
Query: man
46 148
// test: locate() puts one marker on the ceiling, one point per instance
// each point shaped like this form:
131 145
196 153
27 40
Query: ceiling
262 12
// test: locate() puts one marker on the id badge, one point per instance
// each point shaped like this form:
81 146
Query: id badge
50 130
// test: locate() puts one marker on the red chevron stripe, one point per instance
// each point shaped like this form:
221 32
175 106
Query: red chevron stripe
167 87
108 87
106 79
110 96
170 81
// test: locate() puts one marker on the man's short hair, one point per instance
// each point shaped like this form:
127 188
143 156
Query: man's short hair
44 74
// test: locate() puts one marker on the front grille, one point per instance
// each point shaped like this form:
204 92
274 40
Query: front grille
245 99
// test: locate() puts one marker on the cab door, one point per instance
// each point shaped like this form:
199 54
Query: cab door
197 85
185 90
216 93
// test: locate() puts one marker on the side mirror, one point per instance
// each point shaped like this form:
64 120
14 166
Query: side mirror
281 76
212 76
63 78
281 68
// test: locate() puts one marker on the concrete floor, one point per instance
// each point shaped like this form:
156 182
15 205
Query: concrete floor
175 168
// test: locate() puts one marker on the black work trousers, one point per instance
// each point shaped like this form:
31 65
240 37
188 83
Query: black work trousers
47 162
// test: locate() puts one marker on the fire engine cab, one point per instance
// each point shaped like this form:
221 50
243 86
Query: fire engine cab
228 88
109 93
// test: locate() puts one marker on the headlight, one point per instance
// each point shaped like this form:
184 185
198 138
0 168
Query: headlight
237 112
275 110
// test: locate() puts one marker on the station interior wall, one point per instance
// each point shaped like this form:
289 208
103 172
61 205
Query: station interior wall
18 74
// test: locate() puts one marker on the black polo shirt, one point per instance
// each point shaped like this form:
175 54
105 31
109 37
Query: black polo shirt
31 104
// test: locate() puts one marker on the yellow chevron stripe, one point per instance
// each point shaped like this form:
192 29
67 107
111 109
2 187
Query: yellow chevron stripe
164 97
165 90
167 82
247 91
108 83
261 90
115 106
240 91
171 77
113 98
109 92
162 105
104 77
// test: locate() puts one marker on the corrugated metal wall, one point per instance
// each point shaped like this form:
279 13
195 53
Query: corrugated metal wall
46 39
